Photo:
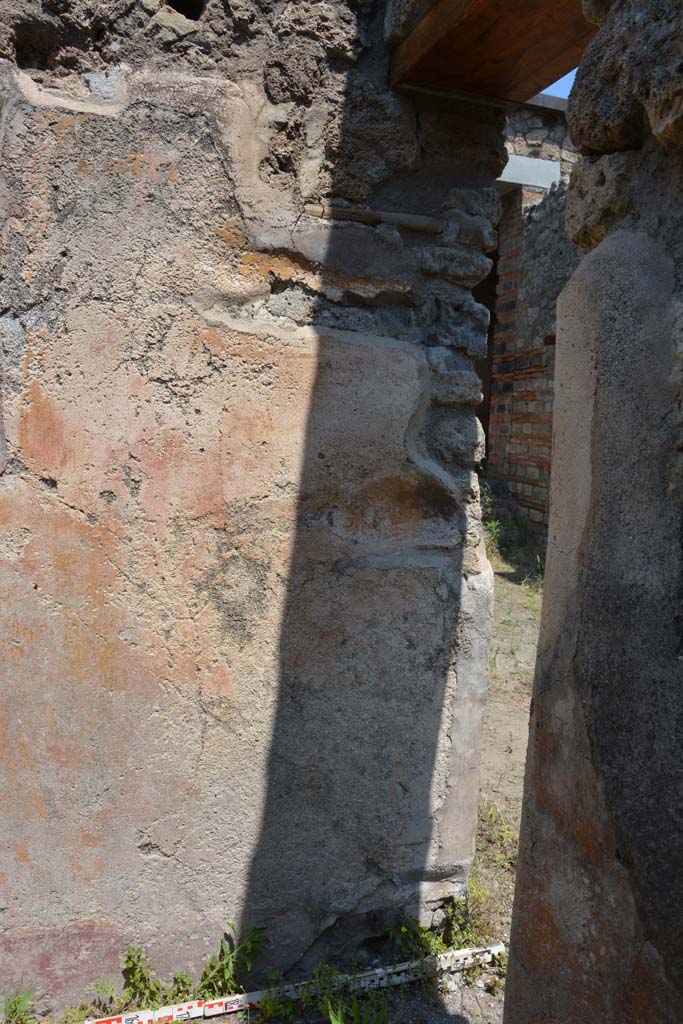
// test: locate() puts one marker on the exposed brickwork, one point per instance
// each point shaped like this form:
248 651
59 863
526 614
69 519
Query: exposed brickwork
534 261
520 423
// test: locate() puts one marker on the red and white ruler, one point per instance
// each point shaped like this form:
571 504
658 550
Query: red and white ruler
378 977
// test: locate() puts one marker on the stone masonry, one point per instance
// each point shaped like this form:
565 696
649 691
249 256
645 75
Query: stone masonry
245 599
596 932
534 261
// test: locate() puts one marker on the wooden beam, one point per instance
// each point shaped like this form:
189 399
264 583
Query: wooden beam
507 49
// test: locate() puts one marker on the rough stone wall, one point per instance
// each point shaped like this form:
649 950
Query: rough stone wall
547 260
403 16
542 133
596 929
535 260
245 600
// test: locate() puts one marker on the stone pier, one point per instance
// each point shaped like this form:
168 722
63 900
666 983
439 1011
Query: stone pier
245 602
599 902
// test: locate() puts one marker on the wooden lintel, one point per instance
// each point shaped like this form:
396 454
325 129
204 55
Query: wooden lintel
507 49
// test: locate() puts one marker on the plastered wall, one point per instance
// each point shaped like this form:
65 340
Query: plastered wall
245 601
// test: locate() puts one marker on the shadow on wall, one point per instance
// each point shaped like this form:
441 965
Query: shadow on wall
186 536
372 788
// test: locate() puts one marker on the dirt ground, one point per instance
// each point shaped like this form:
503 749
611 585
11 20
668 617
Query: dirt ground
517 613
517 610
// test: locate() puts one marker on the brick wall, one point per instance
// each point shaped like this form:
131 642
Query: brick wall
520 419
534 262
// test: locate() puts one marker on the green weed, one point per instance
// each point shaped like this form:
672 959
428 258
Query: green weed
220 974
505 537
141 988
495 982
501 838
371 1008
465 918
19 1007
329 992
470 922
72 1015
277 1008
511 535
414 942
105 992
75 1014
534 582
327 982
467 924
494 530
486 498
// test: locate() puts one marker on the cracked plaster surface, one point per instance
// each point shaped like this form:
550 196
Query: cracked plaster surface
241 539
